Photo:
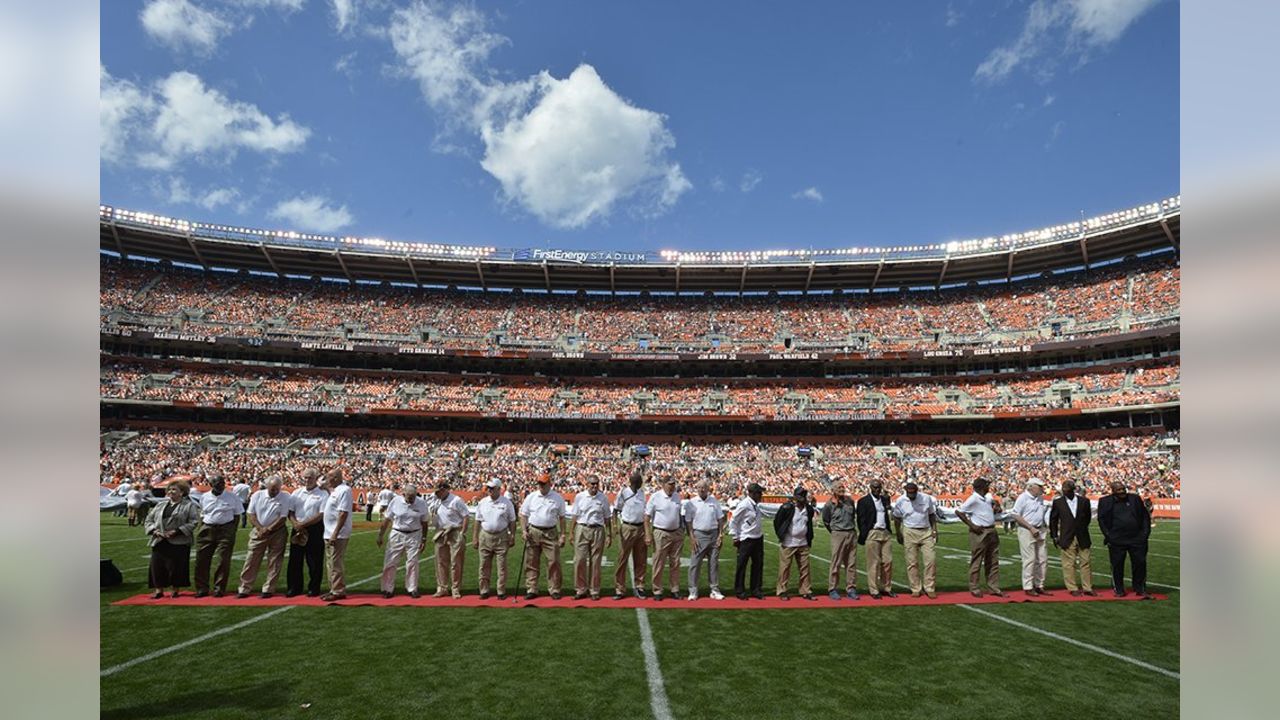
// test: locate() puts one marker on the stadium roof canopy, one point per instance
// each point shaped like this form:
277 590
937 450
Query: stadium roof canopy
1140 230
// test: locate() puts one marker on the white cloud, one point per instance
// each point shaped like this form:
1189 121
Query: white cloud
1054 133
345 13
285 5
179 23
953 15
751 179
179 193
312 212
809 193
1103 21
445 50
122 106
579 150
179 118
570 151
1048 100
1073 26
717 184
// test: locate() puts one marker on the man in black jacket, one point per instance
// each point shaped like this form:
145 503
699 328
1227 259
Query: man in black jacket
1125 525
875 512
794 527
1069 517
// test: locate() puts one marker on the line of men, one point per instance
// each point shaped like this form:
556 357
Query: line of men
320 514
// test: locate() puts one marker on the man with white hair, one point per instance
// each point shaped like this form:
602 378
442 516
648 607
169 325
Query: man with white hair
451 516
592 532
495 533
268 511
1030 513
337 531
407 516
307 543
704 524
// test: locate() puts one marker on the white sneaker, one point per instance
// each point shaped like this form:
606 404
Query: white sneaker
693 596
717 595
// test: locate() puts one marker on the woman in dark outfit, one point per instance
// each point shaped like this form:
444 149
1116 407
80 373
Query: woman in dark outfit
171 525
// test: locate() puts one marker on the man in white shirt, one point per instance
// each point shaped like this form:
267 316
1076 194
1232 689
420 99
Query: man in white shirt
133 501
918 512
662 518
495 533
450 515
337 532
794 527
592 532
243 490
268 512
542 520
216 534
748 537
1031 515
704 524
629 507
978 513
307 541
385 496
407 517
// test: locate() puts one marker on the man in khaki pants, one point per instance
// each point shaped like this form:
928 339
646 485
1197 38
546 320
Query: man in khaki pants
337 532
629 507
1069 517
840 518
874 513
794 527
542 520
450 515
919 513
495 533
592 532
268 512
978 512
662 524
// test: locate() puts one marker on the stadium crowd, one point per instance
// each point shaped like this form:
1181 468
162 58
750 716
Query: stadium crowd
1141 461
586 397
239 304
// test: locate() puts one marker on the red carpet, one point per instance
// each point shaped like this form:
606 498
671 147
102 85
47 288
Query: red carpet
188 599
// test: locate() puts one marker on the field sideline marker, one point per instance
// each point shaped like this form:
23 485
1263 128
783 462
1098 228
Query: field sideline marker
223 631
1046 633
1077 643
657 690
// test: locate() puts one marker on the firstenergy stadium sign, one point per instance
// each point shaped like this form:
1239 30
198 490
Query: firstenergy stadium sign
581 257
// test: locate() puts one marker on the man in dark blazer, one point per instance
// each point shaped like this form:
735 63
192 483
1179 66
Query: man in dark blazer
875 515
794 526
1125 525
1069 518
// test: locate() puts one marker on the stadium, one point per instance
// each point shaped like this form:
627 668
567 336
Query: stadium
1048 354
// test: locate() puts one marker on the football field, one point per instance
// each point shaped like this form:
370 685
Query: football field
1015 660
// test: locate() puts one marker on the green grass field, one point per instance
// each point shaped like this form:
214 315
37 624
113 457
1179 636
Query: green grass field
890 662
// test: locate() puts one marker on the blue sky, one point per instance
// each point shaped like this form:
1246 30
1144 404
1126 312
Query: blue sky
673 125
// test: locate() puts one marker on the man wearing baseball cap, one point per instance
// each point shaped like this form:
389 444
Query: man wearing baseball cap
542 514
1029 512
495 533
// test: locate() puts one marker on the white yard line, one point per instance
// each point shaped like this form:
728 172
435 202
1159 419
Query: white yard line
1073 641
652 670
193 641
657 689
223 631
1046 633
